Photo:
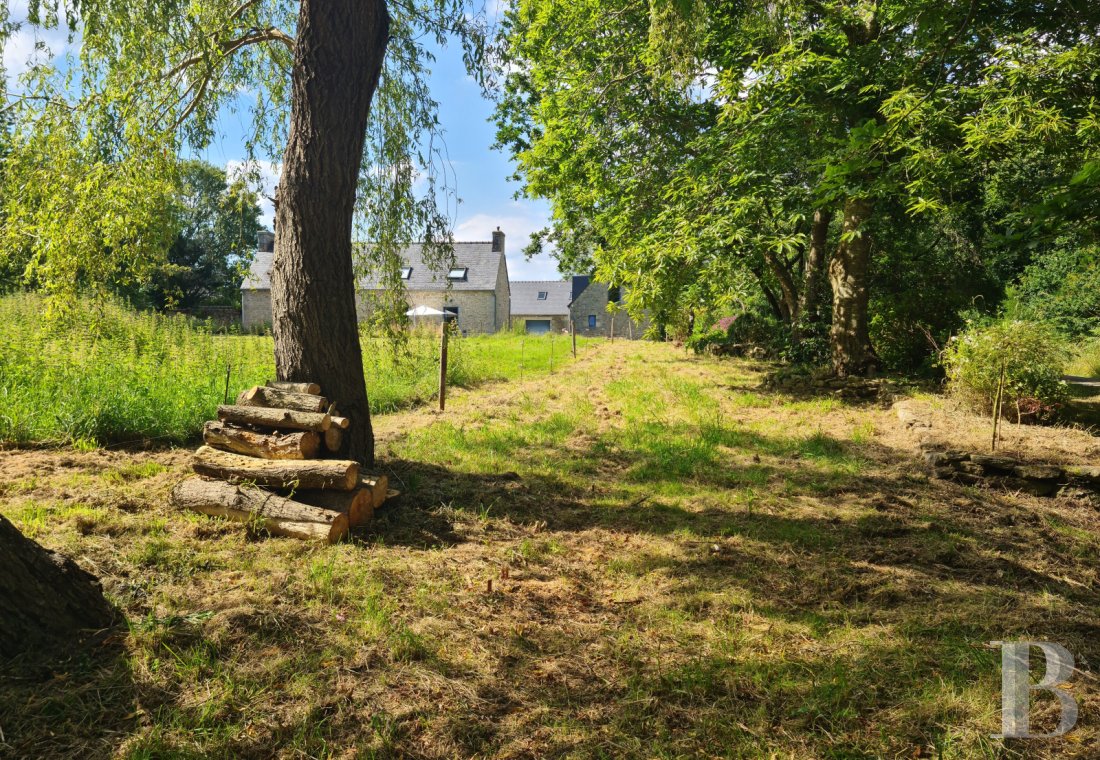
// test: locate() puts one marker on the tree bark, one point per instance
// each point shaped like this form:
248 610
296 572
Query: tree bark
279 419
278 515
340 474
849 272
787 288
814 281
45 599
241 440
337 61
312 388
277 399
358 505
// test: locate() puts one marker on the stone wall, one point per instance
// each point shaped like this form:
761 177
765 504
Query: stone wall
973 468
255 309
593 301
478 310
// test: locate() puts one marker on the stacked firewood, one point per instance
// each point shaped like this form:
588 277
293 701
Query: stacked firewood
263 465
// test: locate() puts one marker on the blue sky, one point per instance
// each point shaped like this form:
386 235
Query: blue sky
480 173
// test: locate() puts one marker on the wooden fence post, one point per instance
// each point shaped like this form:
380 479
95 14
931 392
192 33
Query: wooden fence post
612 327
443 367
573 335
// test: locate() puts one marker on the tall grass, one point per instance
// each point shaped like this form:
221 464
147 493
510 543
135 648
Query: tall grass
107 375
1086 363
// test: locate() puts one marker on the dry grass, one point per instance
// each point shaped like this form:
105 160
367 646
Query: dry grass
641 556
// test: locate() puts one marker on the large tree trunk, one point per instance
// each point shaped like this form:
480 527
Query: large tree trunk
787 288
814 281
849 272
45 599
337 61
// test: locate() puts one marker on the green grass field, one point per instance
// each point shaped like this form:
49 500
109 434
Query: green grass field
107 375
649 556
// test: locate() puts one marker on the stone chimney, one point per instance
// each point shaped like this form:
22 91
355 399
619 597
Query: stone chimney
498 241
265 241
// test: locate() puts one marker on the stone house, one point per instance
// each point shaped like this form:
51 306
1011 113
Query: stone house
474 292
551 305
541 306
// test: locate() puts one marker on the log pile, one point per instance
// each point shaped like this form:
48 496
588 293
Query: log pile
269 460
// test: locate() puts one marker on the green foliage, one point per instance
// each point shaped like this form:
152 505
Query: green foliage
218 227
106 374
1032 357
684 146
1086 362
87 189
1062 286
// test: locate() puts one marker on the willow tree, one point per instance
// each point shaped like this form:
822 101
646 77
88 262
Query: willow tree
337 95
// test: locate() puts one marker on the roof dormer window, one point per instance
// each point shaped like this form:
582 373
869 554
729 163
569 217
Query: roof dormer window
406 272
457 273
543 294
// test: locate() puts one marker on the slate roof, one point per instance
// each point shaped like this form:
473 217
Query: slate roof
526 303
479 258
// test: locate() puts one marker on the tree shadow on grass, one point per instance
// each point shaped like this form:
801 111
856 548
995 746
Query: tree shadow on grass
907 526
78 703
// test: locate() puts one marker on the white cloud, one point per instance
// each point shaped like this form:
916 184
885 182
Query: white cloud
262 176
517 226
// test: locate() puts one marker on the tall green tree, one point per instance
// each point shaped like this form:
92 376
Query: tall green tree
340 102
219 223
828 131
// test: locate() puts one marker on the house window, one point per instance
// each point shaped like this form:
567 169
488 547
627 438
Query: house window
457 273
542 295
450 313
591 321
406 272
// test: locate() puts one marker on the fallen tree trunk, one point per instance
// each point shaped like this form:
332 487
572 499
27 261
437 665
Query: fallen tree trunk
284 385
273 397
338 474
229 437
358 505
45 599
275 514
280 419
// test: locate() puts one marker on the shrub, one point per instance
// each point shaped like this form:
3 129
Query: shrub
1032 355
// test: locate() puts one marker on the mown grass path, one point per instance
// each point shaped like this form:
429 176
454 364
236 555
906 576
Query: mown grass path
640 555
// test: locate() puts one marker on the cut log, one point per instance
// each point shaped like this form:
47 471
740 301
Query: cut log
277 399
378 485
229 437
280 419
334 436
46 600
358 505
283 385
276 514
341 422
338 474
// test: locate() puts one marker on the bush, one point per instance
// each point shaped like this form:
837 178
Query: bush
749 334
1032 355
